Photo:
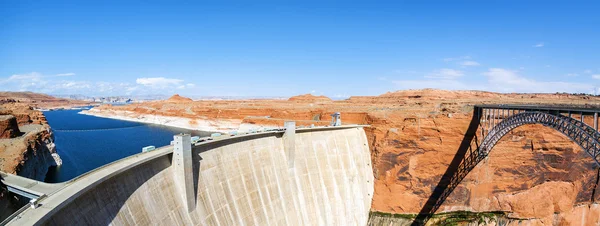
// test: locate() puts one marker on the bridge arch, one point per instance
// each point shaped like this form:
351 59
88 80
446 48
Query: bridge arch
582 134
474 149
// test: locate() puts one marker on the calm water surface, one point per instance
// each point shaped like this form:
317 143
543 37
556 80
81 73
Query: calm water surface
86 142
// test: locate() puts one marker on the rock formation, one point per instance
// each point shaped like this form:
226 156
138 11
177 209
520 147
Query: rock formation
179 99
8 126
309 98
26 141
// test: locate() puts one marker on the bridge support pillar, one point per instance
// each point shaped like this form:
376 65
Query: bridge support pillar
183 170
289 142
596 121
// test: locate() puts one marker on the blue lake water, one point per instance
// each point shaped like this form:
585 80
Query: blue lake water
86 142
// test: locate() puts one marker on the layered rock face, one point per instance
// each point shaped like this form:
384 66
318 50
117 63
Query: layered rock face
26 142
28 149
309 98
37 154
8 126
534 174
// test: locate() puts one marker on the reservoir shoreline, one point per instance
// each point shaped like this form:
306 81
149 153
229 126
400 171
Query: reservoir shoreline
196 123
85 142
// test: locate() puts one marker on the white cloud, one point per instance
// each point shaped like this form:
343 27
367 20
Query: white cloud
541 44
444 78
597 76
22 82
498 80
189 85
572 75
432 83
445 73
30 76
75 85
405 72
449 59
162 83
463 61
63 84
469 63
587 71
34 76
499 75
504 80
158 82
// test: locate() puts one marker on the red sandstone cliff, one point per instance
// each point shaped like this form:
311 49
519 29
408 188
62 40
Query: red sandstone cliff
26 143
8 126
309 98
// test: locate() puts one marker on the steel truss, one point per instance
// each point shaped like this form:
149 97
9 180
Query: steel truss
493 123
579 132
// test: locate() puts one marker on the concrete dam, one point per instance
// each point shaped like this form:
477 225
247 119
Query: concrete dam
304 176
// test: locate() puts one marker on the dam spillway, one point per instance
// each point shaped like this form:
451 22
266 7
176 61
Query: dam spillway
324 177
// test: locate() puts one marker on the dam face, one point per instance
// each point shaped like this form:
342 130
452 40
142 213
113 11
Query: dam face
326 178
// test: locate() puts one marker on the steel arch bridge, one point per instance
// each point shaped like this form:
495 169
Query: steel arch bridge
491 122
582 134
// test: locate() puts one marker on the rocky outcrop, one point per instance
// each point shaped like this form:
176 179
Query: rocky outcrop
29 155
309 98
26 142
179 99
39 155
8 126
533 174
37 100
23 113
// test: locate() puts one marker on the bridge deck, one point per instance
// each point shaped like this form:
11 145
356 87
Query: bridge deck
554 108
27 187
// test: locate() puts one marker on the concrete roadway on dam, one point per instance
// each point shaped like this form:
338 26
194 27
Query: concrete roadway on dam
309 176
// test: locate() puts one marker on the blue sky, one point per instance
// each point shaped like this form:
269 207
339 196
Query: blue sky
337 49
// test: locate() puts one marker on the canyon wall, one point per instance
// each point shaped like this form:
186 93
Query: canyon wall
535 174
30 149
26 141
9 128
